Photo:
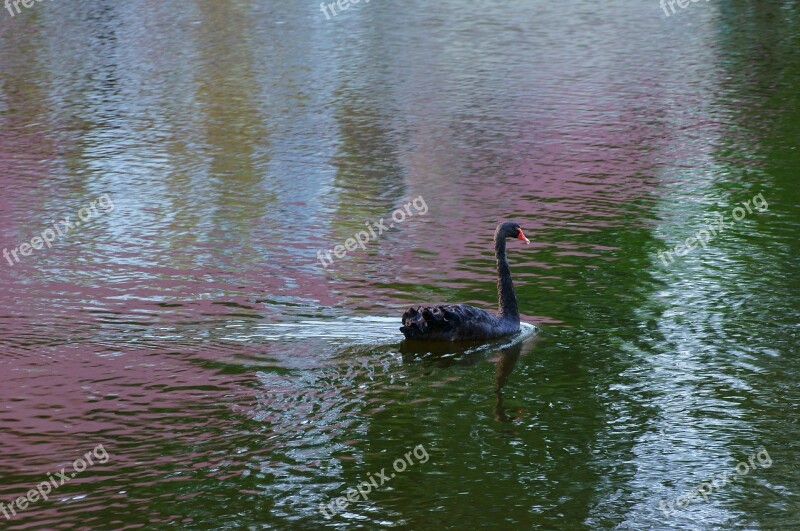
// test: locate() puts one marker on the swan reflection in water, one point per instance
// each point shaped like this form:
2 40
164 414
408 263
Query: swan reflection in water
444 355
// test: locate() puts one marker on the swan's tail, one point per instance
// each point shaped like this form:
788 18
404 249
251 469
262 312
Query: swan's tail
427 322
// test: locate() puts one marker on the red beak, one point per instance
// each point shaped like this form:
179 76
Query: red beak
522 237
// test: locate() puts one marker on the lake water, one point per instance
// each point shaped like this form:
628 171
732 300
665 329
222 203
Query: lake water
189 162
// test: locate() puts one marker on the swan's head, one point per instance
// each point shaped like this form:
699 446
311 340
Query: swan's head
510 229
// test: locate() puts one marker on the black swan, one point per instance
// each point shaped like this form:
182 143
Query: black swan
458 322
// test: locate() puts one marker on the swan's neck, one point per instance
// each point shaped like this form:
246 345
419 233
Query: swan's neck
507 298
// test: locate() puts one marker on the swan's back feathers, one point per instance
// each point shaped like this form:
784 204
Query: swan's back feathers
450 322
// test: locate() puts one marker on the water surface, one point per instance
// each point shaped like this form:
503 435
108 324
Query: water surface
190 328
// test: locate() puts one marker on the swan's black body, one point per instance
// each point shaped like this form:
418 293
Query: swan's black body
462 322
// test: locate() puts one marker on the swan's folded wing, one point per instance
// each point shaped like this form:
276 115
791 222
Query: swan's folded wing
438 322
